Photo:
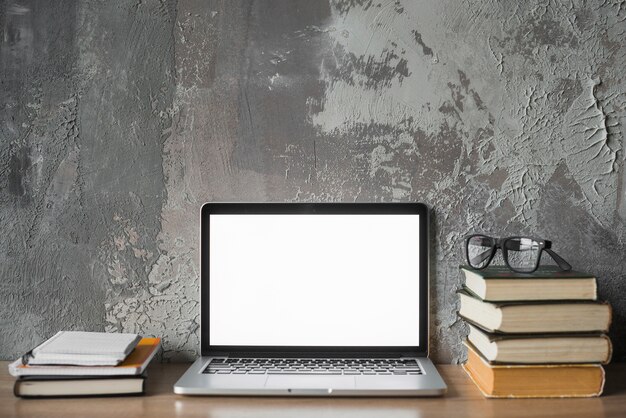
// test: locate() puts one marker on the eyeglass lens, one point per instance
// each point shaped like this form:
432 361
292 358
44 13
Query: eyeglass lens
479 250
522 253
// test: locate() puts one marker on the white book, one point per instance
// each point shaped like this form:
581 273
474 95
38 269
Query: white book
84 349
134 364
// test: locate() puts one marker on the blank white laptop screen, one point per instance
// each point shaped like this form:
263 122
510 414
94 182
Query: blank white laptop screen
314 280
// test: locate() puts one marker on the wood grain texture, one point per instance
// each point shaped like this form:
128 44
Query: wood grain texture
463 400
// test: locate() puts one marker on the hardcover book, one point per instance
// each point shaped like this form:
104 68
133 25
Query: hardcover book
66 386
540 348
535 316
498 283
533 381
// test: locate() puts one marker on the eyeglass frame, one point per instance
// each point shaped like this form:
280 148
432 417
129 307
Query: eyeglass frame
544 244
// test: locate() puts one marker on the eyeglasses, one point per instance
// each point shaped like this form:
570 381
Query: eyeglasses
521 254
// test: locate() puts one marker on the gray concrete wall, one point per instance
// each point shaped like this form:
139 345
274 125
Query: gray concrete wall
119 119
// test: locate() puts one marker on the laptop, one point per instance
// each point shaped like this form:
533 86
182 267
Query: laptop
313 299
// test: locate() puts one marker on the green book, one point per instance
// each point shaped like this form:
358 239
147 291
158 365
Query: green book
498 283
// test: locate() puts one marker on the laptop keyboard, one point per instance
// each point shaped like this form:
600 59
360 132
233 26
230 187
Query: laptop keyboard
313 366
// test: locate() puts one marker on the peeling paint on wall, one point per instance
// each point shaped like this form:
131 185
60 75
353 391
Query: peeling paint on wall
505 117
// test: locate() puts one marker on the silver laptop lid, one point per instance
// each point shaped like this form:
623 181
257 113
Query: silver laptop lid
314 279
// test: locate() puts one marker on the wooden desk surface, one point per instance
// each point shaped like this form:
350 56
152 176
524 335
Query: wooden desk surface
462 400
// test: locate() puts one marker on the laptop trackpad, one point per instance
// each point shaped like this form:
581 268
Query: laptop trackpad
309 382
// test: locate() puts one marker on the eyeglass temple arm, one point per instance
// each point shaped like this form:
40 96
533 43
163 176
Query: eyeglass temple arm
564 265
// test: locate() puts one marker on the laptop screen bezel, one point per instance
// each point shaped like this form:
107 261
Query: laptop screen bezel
208 209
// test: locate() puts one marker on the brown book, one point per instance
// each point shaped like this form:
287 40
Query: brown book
533 381
535 316
498 283
540 348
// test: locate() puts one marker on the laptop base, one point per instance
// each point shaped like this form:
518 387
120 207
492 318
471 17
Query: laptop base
194 382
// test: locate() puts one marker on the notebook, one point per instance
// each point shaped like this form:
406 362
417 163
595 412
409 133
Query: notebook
134 364
84 349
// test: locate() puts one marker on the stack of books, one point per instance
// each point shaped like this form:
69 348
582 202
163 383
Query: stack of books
535 335
85 364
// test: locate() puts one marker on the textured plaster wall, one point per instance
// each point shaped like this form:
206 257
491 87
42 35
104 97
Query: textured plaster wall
119 119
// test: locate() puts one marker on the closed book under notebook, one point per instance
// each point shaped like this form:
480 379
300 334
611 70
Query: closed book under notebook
134 364
64 386
540 348
535 316
534 381
498 283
